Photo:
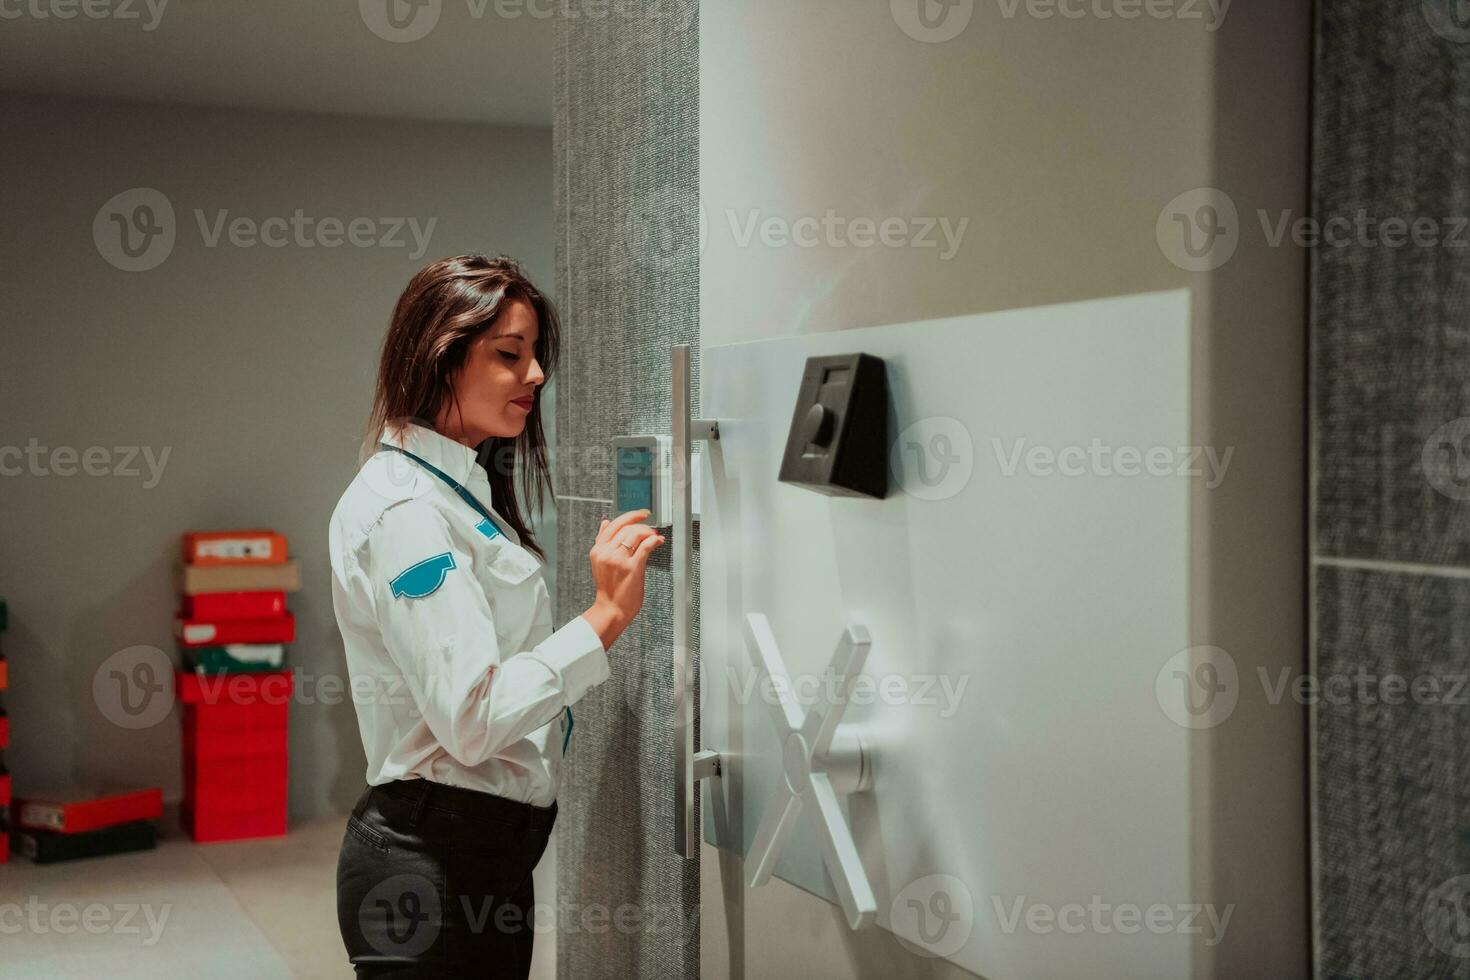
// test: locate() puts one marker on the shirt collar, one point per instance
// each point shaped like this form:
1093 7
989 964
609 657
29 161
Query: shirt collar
454 458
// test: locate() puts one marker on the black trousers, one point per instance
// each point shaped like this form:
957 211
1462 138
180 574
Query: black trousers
435 881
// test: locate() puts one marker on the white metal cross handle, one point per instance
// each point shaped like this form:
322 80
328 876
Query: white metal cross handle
821 759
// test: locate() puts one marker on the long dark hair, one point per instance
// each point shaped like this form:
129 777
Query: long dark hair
441 312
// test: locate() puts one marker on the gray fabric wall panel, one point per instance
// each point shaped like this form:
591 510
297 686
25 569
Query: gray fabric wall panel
626 170
1391 324
1391 376
1396 787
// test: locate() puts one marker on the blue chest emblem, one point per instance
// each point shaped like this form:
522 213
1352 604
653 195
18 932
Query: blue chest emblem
422 579
488 529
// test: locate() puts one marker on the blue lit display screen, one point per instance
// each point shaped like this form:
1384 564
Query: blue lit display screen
635 479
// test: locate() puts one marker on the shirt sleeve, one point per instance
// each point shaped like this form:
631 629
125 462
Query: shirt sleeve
438 627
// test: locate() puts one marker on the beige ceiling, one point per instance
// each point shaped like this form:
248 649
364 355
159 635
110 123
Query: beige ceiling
485 61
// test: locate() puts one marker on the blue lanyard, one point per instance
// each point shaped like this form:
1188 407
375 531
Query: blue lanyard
478 508
450 481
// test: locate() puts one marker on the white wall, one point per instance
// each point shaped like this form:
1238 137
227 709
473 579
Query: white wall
252 366
1061 140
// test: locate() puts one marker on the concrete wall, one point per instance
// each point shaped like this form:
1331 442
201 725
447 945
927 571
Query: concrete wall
1063 140
252 367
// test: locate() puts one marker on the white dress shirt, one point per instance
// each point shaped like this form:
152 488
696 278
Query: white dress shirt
456 674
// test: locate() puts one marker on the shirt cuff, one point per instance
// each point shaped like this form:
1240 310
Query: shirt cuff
575 654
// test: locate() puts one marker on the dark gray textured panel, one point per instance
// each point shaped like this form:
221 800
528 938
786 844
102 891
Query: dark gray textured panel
1391 325
615 847
1391 377
1392 780
626 173
627 198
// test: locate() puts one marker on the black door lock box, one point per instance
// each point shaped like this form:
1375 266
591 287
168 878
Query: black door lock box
838 444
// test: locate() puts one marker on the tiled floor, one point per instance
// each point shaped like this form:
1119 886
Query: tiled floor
259 909
252 909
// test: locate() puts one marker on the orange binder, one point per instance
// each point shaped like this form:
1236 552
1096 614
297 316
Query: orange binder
234 548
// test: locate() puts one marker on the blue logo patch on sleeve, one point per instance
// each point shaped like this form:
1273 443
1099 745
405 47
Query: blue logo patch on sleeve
487 529
422 579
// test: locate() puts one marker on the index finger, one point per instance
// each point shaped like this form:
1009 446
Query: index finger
615 525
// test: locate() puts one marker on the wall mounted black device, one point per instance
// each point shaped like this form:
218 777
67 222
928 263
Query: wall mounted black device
838 444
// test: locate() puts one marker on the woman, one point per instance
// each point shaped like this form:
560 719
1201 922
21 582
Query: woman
463 692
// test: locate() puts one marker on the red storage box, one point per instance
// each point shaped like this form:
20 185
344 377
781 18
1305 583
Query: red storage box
4 731
76 811
5 790
234 548
233 605
236 769
207 739
244 781
222 724
261 689
209 825
223 632
4 847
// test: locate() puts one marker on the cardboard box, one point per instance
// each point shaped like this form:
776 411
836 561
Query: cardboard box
203 579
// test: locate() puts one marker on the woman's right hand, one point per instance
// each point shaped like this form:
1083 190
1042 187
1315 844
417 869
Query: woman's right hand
619 561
